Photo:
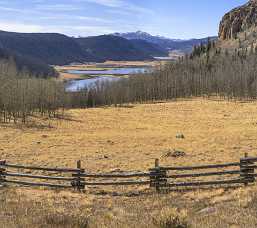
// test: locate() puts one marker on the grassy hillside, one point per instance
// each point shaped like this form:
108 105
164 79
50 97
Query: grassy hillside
130 139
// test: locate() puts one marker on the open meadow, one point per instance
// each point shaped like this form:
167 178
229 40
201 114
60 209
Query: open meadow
130 138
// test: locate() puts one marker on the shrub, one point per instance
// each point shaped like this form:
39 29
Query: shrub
172 218
65 220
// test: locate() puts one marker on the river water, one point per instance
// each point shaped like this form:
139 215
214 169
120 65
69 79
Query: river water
101 75
113 71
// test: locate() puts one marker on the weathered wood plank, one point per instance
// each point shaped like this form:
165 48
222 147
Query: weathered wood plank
37 184
202 183
177 176
249 159
113 175
252 174
41 168
249 166
201 167
38 176
117 183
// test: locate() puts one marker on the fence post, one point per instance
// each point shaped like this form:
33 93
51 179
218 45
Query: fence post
246 170
2 170
78 183
157 176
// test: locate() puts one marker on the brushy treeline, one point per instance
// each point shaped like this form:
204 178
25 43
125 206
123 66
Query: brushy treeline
211 73
22 95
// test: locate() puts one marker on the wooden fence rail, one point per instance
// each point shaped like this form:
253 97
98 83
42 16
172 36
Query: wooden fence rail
202 167
158 177
205 183
234 172
38 184
129 175
8 174
61 170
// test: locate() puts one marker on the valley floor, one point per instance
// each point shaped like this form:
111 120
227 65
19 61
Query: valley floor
130 139
65 76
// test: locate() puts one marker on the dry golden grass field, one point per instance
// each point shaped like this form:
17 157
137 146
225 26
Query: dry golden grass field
130 139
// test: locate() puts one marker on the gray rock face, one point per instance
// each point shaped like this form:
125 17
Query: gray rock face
238 20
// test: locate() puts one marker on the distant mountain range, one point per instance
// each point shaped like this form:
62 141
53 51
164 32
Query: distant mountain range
58 49
185 46
36 51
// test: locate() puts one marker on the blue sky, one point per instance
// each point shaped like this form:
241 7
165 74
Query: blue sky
172 18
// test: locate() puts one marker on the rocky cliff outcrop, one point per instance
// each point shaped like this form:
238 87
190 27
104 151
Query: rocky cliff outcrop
238 20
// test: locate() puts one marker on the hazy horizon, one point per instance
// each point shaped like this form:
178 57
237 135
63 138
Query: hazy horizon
175 19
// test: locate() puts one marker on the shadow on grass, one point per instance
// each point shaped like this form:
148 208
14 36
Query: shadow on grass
39 122
152 191
191 189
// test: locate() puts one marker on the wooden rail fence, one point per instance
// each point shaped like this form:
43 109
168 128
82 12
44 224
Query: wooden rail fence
158 177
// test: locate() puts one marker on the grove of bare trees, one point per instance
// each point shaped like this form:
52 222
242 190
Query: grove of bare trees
22 95
222 74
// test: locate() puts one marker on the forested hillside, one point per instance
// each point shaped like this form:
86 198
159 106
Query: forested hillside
149 48
58 49
115 48
30 65
51 48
